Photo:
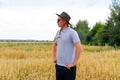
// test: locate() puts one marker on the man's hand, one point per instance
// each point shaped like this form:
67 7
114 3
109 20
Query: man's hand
68 66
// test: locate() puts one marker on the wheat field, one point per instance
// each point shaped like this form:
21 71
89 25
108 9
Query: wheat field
32 61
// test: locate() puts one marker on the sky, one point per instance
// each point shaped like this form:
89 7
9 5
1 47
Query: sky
37 19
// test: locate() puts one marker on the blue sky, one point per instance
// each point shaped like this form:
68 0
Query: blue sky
36 19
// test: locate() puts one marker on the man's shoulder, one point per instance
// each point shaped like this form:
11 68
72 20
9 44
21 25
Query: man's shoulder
72 30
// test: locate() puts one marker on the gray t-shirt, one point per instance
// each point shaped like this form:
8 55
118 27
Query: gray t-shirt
66 39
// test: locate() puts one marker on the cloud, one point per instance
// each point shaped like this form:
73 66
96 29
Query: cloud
34 23
25 19
3 3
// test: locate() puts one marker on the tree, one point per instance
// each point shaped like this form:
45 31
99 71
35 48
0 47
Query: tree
95 36
113 25
82 29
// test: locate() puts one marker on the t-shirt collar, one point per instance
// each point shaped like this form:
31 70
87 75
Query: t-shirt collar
64 30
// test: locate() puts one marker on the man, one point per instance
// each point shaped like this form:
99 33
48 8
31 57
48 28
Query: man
66 49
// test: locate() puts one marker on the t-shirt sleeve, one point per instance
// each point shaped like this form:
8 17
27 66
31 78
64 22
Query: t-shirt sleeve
75 37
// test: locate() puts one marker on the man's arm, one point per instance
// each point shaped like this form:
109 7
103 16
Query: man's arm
77 55
54 52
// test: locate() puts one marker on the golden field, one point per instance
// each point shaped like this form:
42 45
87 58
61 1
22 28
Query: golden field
32 61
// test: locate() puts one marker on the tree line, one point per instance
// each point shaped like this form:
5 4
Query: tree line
12 40
107 33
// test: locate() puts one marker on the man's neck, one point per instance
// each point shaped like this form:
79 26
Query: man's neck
64 27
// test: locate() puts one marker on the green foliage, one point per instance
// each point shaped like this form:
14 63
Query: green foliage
102 34
113 26
95 36
82 29
109 32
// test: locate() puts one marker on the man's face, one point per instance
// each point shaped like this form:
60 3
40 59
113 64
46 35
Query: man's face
61 22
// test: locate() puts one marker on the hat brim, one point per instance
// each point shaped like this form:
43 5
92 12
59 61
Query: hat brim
59 16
